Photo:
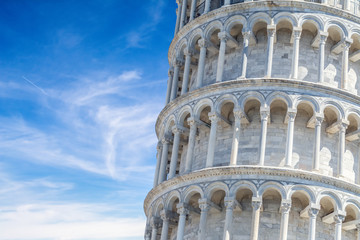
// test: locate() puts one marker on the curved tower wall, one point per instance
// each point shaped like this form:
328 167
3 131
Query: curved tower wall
259 138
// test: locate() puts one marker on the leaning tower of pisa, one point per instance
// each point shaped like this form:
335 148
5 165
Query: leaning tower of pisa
259 137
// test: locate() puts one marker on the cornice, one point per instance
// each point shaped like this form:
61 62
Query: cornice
241 172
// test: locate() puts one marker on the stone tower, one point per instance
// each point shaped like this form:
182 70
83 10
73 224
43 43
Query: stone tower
259 138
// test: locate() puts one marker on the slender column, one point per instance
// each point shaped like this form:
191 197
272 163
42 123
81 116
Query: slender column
174 87
284 209
295 59
256 205
183 13
313 212
221 59
290 137
201 65
212 139
345 63
193 9
271 31
207 6
318 122
189 155
169 85
343 126
175 151
264 122
347 5
236 138
227 2
178 16
164 159
148 236
165 225
205 207
321 68
338 226
188 53
246 36
230 205
158 162
358 231
182 211
155 226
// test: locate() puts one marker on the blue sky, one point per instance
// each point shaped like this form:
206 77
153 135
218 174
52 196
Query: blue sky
81 85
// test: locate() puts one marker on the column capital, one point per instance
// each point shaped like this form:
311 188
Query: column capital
297 32
159 145
204 204
182 209
155 222
191 121
264 113
230 203
203 43
171 71
247 35
285 206
346 43
319 118
164 215
271 30
291 114
339 218
313 212
238 114
188 51
343 124
323 36
178 62
177 129
358 227
223 36
213 117
166 140
256 203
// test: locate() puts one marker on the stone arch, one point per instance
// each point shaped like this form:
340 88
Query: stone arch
213 26
286 16
243 185
258 17
213 187
272 185
353 202
232 21
333 105
224 99
332 196
279 96
180 48
304 189
249 96
314 19
201 105
190 191
171 198
158 206
184 111
170 119
338 26
194 37
308 99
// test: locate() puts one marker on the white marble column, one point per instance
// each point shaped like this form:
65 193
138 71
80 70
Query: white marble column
207 6
178 16
169 85
345 63
155 226
295 58
212 139
338 226
284 210
191 144
183 14
318 122
291 114
164 160
264 122
188 54
223 36
175 81
358 231
321 66
236 137
271 31
203 44
313 212
230 204
343 126
158 162
255 221
227 2
175 151
182 211
165 225
347 5
246 35
147 236
193 9
205 207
